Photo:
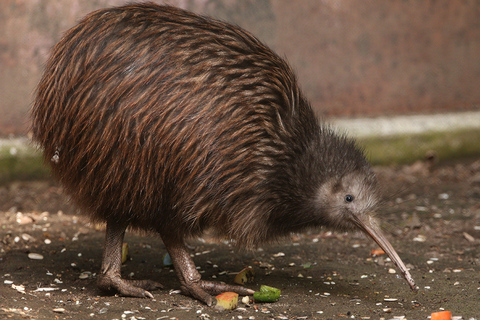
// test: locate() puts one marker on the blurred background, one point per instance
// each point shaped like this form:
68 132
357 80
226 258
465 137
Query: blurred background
402 76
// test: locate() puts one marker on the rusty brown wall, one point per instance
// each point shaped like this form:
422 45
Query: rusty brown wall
367 57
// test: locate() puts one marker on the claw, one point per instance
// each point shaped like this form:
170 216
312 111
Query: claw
128 288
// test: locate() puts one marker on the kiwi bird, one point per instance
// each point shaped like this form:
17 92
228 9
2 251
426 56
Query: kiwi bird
161 120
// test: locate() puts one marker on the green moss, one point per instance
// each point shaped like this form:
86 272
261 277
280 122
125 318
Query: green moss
404 149
20 161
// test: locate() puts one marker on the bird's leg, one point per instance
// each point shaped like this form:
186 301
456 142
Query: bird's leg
190 280
110 278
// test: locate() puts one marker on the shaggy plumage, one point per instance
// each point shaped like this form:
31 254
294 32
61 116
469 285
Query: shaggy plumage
176 122
166 121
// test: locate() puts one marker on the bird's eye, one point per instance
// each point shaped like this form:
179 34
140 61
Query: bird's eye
348 198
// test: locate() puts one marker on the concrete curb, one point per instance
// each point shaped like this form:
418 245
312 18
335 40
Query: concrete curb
408 125
386 140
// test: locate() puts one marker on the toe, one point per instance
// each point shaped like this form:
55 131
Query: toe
129 288
215 288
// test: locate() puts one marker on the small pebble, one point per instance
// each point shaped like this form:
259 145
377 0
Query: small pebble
47 241
391 270
280 254
27 237
84 275
59 310
420 208
245 300
35 256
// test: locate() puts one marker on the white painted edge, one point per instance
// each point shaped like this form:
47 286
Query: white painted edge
401 125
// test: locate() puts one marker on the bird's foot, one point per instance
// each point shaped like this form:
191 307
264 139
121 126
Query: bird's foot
129 288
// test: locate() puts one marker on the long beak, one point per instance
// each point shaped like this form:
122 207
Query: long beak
374 232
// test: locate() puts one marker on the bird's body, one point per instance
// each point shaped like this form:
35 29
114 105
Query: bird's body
162 120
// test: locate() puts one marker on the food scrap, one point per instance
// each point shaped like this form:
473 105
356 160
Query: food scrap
266 294
227 301
167 261
442 315
377 252
244 276
124 252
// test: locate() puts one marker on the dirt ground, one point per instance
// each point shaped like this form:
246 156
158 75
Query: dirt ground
431 215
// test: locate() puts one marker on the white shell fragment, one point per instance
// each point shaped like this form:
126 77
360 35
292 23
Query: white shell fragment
46 289
420 238
390 299
20 288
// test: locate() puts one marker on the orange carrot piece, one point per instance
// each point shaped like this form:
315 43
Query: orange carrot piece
442 315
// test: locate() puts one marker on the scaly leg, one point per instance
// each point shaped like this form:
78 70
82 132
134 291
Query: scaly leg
190 280
110 278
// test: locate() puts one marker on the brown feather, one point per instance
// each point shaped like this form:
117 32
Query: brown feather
177 123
